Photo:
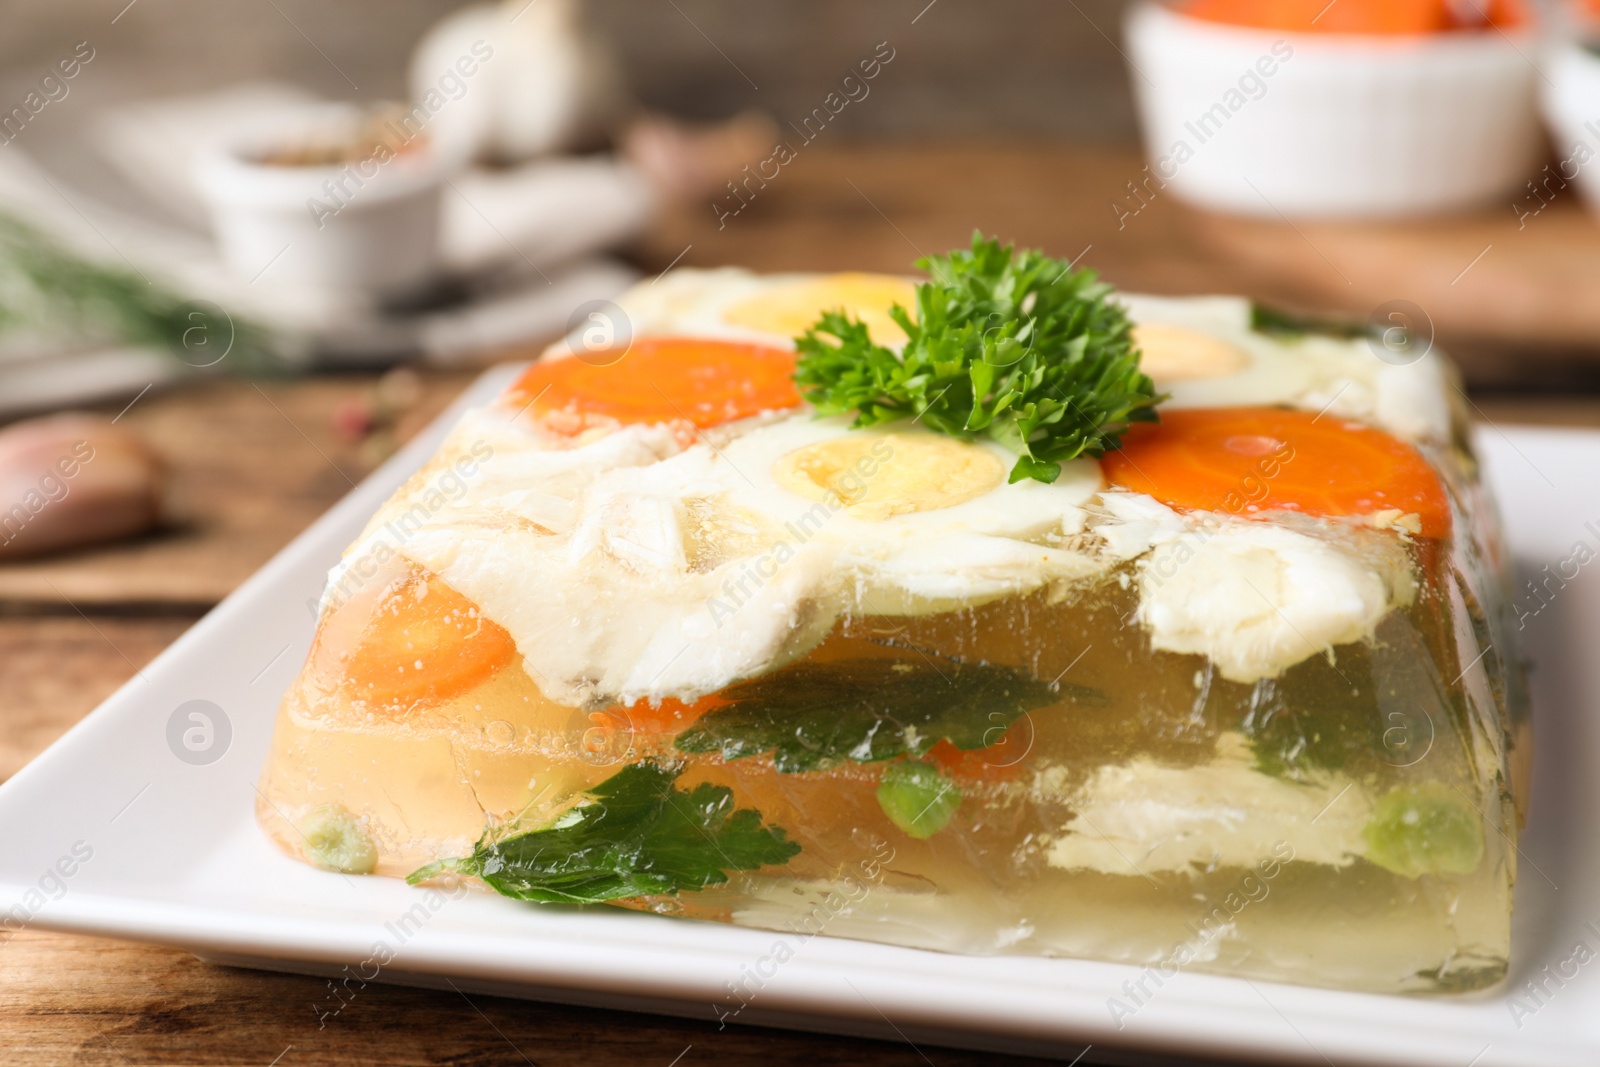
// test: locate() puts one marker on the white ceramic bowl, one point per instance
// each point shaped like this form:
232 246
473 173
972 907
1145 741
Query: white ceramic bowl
1572 108
1267 121
366 228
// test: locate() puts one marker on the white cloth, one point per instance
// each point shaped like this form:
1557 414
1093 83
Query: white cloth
526 245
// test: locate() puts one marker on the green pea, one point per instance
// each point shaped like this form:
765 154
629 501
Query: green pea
335 841
917 798
1424 829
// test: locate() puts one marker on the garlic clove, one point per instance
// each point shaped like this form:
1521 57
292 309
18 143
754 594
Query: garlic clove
72 480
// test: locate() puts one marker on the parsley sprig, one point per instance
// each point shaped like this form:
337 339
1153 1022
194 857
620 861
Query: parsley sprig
812 716
1015 346
637 834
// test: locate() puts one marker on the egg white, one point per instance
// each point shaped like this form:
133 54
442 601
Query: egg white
638 564
693 302
686 302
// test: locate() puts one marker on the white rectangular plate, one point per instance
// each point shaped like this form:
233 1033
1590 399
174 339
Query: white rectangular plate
174 857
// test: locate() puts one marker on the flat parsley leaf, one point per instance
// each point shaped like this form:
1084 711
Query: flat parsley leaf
1291 325
815 715
639 835
1011 345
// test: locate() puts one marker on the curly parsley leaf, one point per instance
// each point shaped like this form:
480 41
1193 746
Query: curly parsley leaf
637 835
816 715
1011 345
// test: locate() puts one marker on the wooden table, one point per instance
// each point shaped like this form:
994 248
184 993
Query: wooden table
253 463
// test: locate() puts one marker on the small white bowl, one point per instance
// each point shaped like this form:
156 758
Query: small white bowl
1572 108
1264 122
367 228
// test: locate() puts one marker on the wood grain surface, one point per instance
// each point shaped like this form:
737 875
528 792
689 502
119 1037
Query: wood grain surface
82 1001
253 463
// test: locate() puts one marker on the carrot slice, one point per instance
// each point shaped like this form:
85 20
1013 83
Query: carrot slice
424 644
1360 16
1003 761
660 379
1251 461
667 716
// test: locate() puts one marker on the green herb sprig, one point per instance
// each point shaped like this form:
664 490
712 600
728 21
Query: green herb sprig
1015 346
812 716
635 835
49 290
1291 325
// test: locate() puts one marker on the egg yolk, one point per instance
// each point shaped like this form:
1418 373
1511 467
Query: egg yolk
1250 461
662 379
878 476
789 310
424 643
1175 354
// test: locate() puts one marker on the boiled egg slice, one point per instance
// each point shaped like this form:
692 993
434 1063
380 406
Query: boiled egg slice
1203 353
922 522
789 308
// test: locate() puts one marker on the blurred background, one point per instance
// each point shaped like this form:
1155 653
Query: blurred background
1008 67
